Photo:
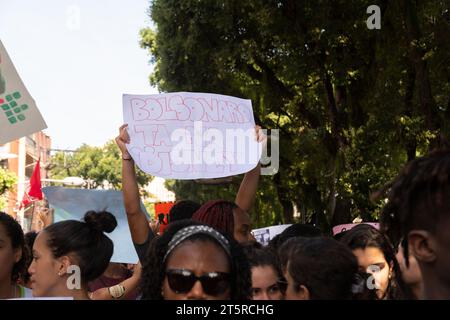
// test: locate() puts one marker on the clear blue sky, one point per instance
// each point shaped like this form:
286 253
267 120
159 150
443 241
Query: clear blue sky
77 73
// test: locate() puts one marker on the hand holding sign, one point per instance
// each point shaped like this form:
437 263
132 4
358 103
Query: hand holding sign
190 135
121 140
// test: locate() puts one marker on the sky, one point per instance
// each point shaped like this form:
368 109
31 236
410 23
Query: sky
77 58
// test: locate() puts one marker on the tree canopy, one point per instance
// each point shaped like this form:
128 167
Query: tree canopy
353 105
7 181
97 164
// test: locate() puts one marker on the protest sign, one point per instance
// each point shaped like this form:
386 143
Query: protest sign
264 235
162 210
19 115
72 204
187 135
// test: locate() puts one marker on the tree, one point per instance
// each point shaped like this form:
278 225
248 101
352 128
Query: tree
7 180
98 164
352 104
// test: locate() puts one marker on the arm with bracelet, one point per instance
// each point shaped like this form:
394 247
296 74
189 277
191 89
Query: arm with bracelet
141 234
122 290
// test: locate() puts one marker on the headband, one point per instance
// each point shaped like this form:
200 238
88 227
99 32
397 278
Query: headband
190 231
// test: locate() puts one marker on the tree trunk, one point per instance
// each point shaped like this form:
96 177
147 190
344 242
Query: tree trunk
411 144
342 212
427 103
286 203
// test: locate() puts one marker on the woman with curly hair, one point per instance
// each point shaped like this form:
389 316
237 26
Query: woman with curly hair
14 257
194 261
268 282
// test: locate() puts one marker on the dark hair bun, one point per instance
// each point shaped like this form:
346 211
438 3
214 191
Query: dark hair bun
102 221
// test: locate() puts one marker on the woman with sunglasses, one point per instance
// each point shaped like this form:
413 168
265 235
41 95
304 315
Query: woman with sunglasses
194 261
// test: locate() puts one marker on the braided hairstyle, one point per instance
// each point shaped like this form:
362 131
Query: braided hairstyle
217 214
418 198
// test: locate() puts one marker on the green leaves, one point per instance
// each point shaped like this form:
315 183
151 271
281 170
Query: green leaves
99 164
7 180
352 105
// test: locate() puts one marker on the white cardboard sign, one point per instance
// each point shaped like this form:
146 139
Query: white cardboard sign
264 235
188 135
19 115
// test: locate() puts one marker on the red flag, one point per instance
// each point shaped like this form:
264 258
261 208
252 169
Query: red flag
34 192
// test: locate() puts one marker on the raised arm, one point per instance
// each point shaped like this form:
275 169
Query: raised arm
137 221
246 195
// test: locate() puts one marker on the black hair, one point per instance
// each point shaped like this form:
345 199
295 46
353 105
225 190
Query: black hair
30 237
295 230
362 291
15 233
364 236
259 256
418 198
324 266
183 209
153 269
86 241
340 235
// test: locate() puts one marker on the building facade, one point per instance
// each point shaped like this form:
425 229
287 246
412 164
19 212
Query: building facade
20 156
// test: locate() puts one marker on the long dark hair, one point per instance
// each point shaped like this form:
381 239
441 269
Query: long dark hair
364 236
15 233
153 269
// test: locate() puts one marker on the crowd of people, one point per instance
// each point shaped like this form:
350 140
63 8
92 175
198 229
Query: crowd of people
208 251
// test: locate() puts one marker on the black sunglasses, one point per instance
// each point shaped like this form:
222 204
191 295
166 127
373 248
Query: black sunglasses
213 283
